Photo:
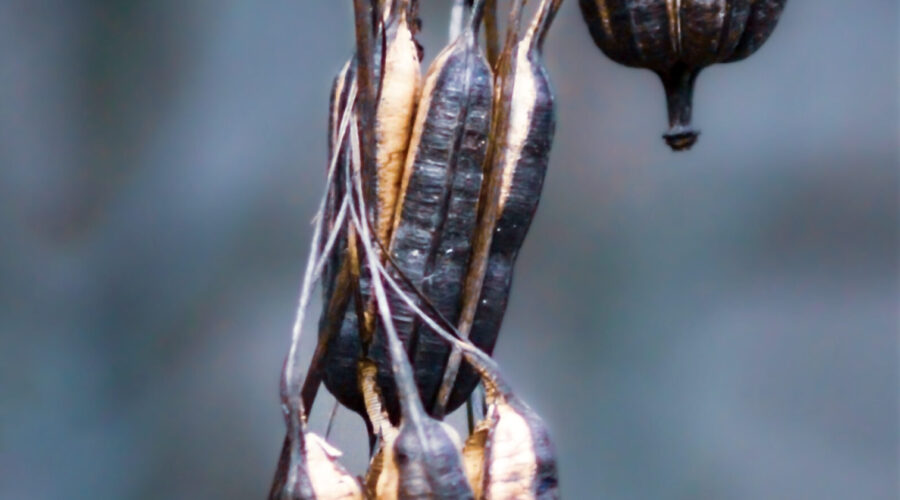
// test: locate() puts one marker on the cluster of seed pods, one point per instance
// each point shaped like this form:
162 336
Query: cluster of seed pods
431 187
432 184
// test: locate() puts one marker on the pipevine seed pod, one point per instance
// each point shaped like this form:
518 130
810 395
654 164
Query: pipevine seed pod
397 58
678 38
311 471
383 476
397 96
437 209
428 464
510 454
520 165
333 359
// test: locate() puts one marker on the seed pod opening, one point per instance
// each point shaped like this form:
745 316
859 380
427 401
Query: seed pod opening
309 467
397 97
677 39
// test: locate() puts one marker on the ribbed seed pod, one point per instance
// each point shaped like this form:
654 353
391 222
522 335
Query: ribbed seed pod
424 458
510 454
678 38
398 90
437 209
520 162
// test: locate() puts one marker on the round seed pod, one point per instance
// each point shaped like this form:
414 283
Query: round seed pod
678 38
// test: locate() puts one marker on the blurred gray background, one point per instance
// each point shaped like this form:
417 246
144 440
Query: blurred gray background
719 324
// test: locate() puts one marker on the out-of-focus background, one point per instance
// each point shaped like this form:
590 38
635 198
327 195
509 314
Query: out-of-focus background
717 324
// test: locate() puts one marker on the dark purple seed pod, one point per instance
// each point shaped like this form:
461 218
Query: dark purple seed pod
522 139
678 38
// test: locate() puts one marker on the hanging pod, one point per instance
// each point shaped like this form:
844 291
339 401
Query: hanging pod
437 209
678 38
396 64
510 453
398 93
424 460
311 468
525 122
337 147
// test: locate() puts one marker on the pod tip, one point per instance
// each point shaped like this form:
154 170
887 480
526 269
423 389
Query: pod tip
681 138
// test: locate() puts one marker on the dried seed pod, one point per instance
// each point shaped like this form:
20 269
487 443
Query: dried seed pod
510 454
678 38
398 94
311 468
397 67
518 169
308 466
427 461
445 276
437 208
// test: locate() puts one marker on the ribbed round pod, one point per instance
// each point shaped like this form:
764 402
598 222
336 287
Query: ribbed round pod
678 38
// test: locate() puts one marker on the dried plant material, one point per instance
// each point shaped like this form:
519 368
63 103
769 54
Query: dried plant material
516 457
312 470
473 456
398 95
510 455
427 460
292 477
337 147
329 480
437 211
677 39
519 163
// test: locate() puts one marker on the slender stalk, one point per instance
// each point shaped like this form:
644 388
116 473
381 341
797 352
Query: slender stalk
365 77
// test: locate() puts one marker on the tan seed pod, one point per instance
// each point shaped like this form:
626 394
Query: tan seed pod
312 470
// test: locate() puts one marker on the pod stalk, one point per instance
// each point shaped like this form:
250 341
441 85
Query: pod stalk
679 85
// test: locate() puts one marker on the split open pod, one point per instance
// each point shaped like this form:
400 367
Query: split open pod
677 39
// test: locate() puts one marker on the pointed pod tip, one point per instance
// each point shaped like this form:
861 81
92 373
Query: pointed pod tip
681 138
